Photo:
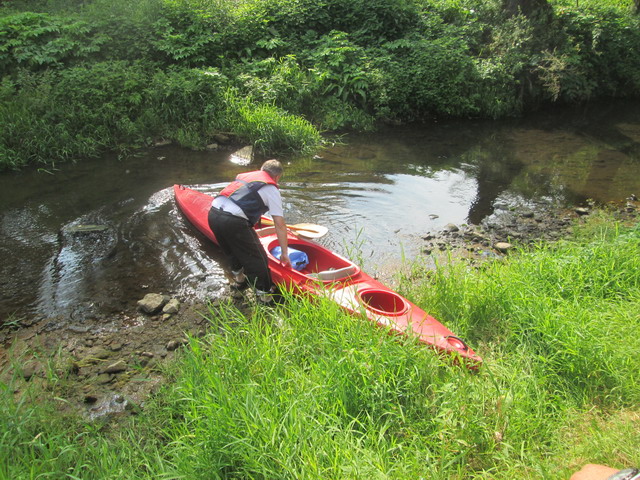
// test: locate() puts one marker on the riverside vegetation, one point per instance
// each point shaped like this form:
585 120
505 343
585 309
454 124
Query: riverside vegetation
305 391
82 77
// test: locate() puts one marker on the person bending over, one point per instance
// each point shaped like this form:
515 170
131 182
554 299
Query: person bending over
232 217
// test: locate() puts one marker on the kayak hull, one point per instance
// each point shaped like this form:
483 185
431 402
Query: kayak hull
343 282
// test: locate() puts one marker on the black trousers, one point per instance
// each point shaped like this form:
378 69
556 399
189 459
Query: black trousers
239 242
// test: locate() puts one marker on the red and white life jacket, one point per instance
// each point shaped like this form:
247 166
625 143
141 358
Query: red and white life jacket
243 191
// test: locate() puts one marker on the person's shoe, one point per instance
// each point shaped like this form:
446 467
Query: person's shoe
239 281
264 298
239 277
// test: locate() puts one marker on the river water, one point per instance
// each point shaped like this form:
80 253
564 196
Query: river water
379 194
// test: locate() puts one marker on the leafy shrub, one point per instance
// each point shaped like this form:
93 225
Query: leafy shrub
499 94
187 105
367 20
341 67
333 114
30 134
506 64
37 41
429 78
105 97
564 76
185 36
249 36
600 43
126 39
332 91
283 82
127 26
74 113
345 82
82 111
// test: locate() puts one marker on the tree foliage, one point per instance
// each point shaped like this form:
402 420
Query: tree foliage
338 63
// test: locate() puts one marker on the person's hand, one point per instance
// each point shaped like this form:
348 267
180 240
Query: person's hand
593 472
284 259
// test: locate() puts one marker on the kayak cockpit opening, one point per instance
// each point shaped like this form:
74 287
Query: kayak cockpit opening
383 302
323 265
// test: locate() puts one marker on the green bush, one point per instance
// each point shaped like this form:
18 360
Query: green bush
83 111
599 44
179 100
341 68
429 78
39 130
341 64
334 115
186 36
103 102
37 41
366 20
283 82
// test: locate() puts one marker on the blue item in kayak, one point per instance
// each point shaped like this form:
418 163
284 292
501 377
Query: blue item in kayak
299 259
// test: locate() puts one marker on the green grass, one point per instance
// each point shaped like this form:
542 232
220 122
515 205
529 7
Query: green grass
305 392
571 306
271 130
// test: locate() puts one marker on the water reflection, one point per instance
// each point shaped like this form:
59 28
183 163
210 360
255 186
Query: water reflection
379 194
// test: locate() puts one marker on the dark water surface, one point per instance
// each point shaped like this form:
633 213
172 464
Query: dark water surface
379 194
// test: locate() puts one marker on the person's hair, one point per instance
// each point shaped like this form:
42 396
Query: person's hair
273 168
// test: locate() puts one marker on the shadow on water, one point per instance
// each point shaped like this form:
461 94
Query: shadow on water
94 237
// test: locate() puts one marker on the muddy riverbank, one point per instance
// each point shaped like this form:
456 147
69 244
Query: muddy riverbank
109 364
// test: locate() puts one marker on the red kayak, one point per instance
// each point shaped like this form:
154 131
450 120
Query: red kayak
328 274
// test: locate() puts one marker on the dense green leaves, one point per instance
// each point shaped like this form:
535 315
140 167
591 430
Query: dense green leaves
339 64
599 43
185 36
37 41
367 20
119 105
